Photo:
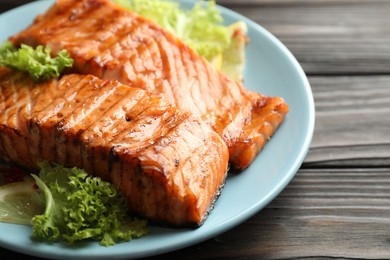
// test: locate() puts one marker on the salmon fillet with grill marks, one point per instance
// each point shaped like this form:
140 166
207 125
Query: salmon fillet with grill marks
112 43
169 165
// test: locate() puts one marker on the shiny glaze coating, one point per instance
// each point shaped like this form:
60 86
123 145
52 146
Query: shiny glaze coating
112 43
169 164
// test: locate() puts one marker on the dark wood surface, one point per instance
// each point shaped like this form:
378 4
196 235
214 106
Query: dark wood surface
338 204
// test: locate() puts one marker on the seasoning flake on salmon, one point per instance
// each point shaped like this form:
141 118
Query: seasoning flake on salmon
113 43
169 164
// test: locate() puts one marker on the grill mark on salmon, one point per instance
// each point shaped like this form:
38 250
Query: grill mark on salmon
112 43
14 117
168 163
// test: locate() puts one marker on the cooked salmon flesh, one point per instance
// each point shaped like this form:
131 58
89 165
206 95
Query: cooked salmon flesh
113 43
169 164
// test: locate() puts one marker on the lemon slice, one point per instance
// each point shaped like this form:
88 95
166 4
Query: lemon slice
16 202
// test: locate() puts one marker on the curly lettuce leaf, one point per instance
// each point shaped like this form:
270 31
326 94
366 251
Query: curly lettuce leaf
36 62
79 206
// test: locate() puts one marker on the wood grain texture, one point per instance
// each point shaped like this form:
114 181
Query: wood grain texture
352 119
332 213
336 37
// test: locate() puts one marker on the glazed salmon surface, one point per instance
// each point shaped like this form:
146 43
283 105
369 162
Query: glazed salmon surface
169 164
112 43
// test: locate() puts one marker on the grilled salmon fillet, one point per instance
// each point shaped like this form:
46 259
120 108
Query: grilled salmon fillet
169 164
113 43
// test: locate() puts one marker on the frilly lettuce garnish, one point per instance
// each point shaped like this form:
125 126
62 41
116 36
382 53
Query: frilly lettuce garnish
36 62
79 207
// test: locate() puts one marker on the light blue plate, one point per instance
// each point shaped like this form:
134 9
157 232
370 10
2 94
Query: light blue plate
272 70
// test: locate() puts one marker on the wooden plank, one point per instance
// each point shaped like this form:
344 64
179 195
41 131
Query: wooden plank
337 213
352 119
337 37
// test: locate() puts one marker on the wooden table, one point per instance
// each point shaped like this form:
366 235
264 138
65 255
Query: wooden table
338 204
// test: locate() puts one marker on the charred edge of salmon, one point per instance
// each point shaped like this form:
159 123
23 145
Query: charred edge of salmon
110 44
190 225
267 114
171 175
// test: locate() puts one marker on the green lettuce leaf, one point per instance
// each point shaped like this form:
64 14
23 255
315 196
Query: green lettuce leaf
79 206
37 62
